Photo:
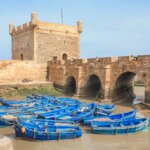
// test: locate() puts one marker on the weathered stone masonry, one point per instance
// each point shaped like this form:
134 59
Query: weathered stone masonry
59 45
42 41
110 77
12 71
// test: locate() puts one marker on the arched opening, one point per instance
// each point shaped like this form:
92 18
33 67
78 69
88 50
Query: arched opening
124 87
21 57
70 86
128 86
92 88
64 56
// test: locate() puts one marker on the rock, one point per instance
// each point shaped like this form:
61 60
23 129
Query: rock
5 143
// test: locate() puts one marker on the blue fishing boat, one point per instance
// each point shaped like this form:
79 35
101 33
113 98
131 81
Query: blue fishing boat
57 112
120 127
69 101
9 120
105 109
113 117
78 116
46 131
33 120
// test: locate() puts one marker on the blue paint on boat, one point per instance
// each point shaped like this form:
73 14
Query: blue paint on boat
113 117
105 109
46 130
120 127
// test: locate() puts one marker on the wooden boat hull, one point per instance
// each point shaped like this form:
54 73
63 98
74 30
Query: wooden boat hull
105 109
60 135
78 117
121 129
114 117
4 123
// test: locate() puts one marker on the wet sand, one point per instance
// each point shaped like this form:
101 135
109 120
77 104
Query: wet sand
88 141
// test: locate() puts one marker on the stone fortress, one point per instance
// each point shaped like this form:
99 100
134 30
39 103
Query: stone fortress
42 41
50 52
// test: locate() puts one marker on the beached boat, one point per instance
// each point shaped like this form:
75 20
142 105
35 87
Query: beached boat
78 116
9 120
54 114
105 109
14 103
113 117
120 127
47 131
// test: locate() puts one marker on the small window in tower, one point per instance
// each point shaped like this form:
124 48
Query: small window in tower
64 56
64 42
55 58
21 57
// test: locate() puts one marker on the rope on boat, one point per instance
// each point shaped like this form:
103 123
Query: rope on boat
115 130
58 135
74 135
122 115
34 130
47 133
127 129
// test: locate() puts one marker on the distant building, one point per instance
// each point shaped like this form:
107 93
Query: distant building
43 41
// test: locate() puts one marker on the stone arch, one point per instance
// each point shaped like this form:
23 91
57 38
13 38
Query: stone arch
124 86
92 87
70 86
64 56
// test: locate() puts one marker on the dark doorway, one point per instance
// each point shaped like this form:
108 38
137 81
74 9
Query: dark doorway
64 56
54 58
70 86
124 87
92 89
21 57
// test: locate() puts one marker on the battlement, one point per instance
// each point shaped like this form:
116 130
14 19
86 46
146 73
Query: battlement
22 28
107 60
43 41
125 58
79 62
40 25
144 58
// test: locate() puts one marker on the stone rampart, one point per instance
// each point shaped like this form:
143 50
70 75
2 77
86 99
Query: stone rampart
17 71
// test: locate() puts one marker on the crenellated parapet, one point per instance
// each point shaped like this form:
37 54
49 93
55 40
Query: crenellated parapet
115 75
80 26
104 61
35 23
43 41
25 27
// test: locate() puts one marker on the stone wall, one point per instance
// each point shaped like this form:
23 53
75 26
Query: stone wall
23 46
50 45
42 41
17 71
109 71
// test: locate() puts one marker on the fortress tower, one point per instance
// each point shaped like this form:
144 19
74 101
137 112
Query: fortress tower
43 41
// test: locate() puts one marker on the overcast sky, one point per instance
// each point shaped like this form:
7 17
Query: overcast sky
111 27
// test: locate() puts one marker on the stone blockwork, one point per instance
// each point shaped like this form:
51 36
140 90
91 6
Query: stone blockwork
110 77
43 41
17 71
59 45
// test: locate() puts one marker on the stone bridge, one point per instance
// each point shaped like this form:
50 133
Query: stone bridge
110 77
